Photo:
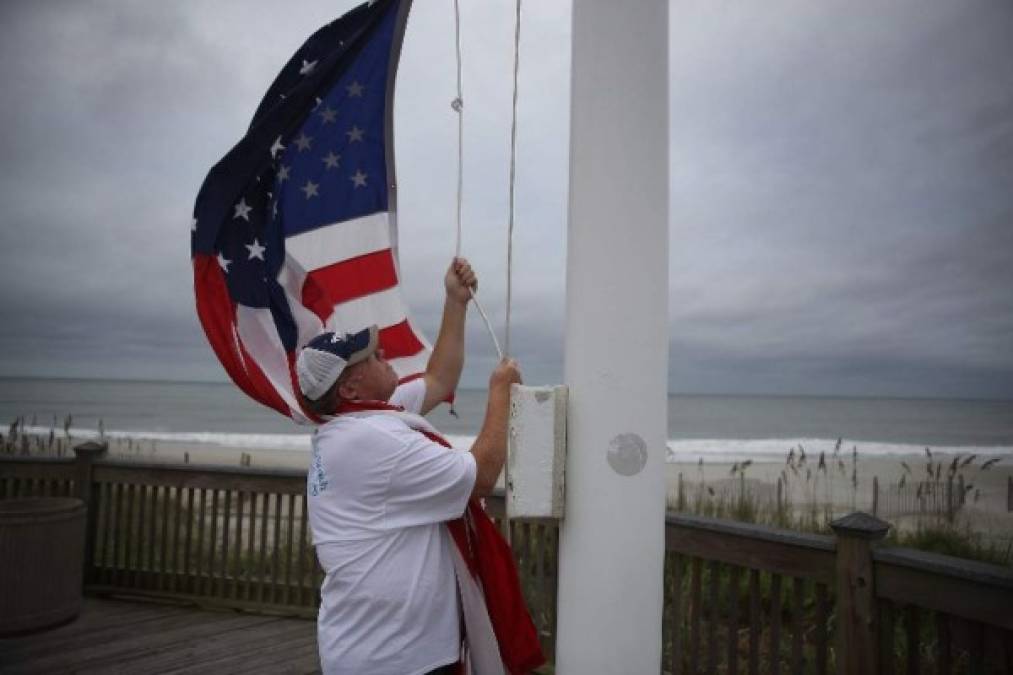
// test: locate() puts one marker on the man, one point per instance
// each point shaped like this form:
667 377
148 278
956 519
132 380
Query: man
380 488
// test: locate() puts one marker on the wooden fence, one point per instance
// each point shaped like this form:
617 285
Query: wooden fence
222 536
738 597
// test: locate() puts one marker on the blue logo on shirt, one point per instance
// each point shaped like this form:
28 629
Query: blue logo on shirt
318 478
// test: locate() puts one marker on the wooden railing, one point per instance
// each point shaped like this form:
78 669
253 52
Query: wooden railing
748 598
738 597
212 535
37 477
745 596
953 614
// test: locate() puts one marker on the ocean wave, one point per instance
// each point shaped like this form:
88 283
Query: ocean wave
776 449
678 450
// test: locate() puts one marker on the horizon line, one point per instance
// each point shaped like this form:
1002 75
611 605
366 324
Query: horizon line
914 397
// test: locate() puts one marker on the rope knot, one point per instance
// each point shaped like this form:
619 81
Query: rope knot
457 104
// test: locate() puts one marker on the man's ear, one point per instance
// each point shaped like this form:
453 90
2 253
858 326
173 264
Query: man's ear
348 390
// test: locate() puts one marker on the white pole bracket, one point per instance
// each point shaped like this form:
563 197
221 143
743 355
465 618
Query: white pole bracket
536 452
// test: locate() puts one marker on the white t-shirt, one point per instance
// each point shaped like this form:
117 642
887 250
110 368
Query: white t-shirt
378 492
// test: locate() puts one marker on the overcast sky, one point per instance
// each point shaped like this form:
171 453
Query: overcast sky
841 184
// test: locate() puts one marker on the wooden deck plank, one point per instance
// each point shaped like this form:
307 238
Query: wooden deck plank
261 651
123 636
238 644
301 657
108 647
90 627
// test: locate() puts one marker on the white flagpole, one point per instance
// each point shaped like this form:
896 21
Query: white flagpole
611 549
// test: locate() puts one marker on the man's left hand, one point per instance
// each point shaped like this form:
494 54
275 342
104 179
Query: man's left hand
459 279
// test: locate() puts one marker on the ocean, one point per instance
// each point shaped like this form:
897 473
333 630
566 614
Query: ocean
729 428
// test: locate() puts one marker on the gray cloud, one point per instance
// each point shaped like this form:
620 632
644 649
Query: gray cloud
841 212
840 203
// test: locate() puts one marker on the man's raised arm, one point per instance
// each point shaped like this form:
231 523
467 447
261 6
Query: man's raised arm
444 368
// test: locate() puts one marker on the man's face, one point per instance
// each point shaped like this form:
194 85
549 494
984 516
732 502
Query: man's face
373 379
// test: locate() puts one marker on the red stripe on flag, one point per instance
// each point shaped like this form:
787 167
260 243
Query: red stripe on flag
217 315
350 279
399 340
316 299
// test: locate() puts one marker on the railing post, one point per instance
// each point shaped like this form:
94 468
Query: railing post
86 454
857 648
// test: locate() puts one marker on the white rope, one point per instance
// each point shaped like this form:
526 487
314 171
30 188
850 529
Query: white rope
488 324
458 106
513 166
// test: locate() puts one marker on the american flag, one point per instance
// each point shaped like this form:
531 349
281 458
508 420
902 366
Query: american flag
295 231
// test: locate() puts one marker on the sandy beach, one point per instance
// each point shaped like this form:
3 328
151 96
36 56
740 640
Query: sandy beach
985 508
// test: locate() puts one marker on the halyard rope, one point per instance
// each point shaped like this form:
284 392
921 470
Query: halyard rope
458 106
513 165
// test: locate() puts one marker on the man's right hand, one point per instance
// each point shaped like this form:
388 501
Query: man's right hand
507 372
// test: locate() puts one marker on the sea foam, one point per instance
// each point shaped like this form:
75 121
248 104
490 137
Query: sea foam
777 449
678 451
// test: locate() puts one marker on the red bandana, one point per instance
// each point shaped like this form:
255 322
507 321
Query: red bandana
359 406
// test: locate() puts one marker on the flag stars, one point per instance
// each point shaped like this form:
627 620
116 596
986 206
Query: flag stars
223 263
310 189
256 250
307 67
354 134
283 173
276 147
354 89
242 210
193 224
358 179
328 115
331 160
304 142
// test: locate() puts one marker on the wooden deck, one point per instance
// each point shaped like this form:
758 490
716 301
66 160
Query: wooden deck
120 636
734 593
